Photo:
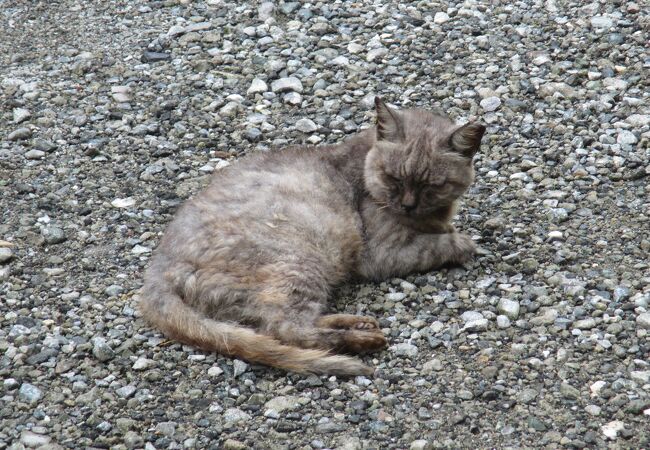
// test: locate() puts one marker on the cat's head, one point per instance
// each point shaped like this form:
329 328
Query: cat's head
421 161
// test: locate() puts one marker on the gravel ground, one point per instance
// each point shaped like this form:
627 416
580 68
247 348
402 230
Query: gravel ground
113 112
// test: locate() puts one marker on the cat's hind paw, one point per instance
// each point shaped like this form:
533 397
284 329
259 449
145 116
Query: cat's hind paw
347 322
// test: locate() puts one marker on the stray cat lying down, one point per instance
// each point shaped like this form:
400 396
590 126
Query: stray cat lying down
247 265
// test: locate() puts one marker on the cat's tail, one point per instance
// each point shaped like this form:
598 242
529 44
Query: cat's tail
181 322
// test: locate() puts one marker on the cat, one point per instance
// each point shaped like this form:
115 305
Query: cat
247 265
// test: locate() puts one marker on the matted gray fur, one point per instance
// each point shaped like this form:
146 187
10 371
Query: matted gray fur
247 265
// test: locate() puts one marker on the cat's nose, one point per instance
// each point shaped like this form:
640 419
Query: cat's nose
409 202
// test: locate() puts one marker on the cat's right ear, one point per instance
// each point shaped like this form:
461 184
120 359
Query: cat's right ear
466 140
389 123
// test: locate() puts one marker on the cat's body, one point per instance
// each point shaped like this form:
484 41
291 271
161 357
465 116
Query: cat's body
247 265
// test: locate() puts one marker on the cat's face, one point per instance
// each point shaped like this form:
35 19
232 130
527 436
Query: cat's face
421 161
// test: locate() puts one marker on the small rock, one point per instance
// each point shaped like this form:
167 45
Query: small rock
440 18
283 403
306 125
215 371
640 376
148 56
33 440
234 415
420 444
53 235
257 87
643 320
601 22
585 324
21 114
232 444
166 428
287 84
509 308
469 316
19 134
29 393
6 254
114 290
491 103
611 429
126 391
593 410
376 53
395 296
405 349
626 138
142 364
433 365
503 322
34 154
101 350
569 392
476 325
239 367
123 202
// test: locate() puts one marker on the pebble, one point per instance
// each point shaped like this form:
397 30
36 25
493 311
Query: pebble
257 87
142 364
643 320
503 322
29 393
6 254
306 125
405 349
569 391
33 440
21 114
283 403
53 235
626 138
491 104
602 22
509 308
287 84
123 202
239 367
101 350
611 429
440 18
20 134
235 415
149 56
34 154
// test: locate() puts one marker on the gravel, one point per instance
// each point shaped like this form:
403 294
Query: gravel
115 112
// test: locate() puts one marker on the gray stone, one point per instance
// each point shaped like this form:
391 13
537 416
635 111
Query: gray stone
21 114
283 403
643 320
126 391
19 134
569 391
306 125
53 235
405 349
6 254
257 87
34 154
491 103
33 440
509 308
287 84
29 393
239 367
626 138
235 415
601 22
101 350
166 428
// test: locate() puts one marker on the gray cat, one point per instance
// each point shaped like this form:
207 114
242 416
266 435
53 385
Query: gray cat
247 266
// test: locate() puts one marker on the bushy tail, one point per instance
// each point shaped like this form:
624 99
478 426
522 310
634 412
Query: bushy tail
183 323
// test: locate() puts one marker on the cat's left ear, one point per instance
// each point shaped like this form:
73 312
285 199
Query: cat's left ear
467 139
389 122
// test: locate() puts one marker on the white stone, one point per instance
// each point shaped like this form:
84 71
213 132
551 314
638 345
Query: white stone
214 371
491 103
440 17
601 22
405 349
293 98
503 322
596 387
420 444
509 308
376 53
287 84
643 320
638 120
626 138
395 296
139 250
585 324
239 367
555 235
340 61
257 86
469 316
640 376
612 428
32 440
123 202
593 410
283 403
142 364
355 48
306 125
21 114
476 325
234 415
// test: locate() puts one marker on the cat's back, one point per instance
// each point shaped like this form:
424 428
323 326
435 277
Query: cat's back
290 200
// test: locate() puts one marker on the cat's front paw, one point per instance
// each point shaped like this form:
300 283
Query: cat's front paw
463 248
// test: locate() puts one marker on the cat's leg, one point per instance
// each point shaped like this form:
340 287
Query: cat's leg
385 257
347 321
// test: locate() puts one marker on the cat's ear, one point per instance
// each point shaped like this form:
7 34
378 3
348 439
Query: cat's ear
389 123
467 139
